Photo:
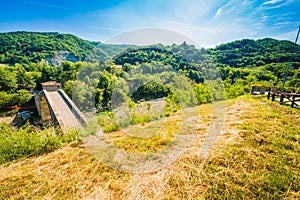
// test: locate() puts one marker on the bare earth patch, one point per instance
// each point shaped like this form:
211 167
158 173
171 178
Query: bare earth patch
6 119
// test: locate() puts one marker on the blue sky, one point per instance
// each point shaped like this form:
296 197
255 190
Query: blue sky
207 22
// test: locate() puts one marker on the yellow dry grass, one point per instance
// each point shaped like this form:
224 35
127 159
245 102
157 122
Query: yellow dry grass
73 173
68 173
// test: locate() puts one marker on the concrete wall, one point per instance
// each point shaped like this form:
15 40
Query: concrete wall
43 108
45 111
37 99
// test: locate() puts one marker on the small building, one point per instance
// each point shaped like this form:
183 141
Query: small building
51 86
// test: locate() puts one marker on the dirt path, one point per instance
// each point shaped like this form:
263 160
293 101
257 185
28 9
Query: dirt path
159 185
6 119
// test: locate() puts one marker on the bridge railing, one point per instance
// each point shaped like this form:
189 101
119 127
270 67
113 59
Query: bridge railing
75 110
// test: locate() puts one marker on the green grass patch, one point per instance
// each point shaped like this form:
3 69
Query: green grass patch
123 117
160 134
28 141
107 121
265 163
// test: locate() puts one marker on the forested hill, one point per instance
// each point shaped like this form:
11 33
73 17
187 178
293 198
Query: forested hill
26 47
262 61
253 53
27 60
160 55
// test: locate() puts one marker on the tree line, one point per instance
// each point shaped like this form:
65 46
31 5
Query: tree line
96 76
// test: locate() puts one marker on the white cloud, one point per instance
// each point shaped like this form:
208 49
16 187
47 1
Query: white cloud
286 23
275 4
290 35
206 23
42 4
219 11
272 2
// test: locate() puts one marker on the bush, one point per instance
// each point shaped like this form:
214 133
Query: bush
107 122
19 98
27 142
202 94
234 91
150 91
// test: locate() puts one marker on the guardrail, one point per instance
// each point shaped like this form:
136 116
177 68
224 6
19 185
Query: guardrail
285 97
75 110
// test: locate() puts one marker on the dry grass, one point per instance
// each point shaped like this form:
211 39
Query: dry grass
245 164
264 162
68 173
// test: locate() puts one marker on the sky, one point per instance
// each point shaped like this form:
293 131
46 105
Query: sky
205 22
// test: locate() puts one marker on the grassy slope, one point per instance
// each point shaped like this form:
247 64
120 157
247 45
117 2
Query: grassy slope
258 156
265 162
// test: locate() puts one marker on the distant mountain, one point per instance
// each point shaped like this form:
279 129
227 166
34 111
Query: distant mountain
253 53
25 47
239 64
111 49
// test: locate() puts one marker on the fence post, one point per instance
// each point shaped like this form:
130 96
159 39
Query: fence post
273 97
281 98
293 101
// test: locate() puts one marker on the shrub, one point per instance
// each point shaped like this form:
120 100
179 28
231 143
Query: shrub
27 142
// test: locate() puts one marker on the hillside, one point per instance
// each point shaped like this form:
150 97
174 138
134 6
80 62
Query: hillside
26 47
111 49
29 58
147 100
255 53
255 158
158 55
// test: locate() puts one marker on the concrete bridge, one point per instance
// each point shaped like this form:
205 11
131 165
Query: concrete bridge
54 106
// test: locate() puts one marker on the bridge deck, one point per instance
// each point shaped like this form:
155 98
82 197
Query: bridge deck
62 111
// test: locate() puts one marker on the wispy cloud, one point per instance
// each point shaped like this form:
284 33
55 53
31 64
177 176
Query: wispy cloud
287 23
275 4
42 4
207 22
226 6
219 11
272 2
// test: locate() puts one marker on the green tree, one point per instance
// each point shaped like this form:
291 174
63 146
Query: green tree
202 93
8 80
22 97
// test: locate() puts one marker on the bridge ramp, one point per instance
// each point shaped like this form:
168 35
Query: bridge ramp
64 112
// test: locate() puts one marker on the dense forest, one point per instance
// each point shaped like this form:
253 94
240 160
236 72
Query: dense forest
26 47
95 72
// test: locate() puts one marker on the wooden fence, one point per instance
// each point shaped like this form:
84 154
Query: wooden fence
285 97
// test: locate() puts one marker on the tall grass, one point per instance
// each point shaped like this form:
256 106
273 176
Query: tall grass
265 163
29 141
122 117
